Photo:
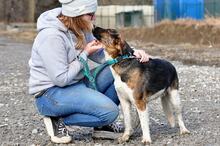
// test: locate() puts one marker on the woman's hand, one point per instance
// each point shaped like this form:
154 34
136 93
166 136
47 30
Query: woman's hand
140 54
93 46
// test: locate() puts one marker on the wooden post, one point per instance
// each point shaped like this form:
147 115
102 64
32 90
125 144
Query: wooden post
31 10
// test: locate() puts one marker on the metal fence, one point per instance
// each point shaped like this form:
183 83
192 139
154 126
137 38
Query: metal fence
212 8
125 16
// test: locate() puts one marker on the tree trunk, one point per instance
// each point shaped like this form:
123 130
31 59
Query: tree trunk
31 10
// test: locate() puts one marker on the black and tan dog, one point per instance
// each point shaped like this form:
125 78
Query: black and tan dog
138 83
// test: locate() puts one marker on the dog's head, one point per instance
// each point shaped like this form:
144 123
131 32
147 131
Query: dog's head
114 45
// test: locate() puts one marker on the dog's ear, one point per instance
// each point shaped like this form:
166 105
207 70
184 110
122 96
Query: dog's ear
118 42
126 49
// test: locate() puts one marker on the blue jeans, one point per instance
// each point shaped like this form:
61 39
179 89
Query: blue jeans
80 105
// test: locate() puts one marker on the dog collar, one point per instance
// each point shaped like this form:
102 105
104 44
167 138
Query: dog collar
118 59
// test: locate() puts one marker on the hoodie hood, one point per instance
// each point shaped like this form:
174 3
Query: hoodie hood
49 19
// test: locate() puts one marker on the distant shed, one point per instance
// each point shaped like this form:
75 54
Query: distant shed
127 19
124 16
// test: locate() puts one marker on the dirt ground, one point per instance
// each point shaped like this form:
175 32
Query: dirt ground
198 66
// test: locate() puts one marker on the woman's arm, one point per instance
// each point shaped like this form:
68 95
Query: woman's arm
55 58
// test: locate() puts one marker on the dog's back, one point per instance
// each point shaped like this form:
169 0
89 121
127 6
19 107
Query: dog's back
162 74
153 76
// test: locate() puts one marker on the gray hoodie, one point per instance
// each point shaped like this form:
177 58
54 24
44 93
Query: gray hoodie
53 59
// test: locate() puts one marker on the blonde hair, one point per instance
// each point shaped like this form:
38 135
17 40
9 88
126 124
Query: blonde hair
78 26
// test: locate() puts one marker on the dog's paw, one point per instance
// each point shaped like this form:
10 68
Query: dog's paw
184 131
146 141
123 139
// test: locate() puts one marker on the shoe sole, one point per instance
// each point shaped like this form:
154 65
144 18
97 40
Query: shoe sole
50 131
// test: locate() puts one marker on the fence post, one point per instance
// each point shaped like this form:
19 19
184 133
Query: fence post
31 10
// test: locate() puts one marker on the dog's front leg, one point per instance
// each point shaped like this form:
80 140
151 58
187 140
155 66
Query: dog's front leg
126 110
144 119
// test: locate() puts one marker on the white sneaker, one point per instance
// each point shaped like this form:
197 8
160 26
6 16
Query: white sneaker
57 130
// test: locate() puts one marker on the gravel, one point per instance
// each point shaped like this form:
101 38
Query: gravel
20 123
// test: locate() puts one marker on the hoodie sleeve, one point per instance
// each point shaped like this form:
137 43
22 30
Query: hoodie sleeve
53 52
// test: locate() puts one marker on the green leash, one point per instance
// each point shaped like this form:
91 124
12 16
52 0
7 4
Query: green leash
92 77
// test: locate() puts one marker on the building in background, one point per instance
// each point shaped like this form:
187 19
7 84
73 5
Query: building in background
125 16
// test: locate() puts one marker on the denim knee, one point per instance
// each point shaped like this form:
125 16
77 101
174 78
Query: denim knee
110 116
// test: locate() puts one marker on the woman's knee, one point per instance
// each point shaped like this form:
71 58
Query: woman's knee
110 115
45 107
114 115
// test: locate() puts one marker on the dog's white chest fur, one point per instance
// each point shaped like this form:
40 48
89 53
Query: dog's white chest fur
122 89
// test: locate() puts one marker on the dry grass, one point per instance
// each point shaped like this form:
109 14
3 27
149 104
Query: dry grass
205 32
189 22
